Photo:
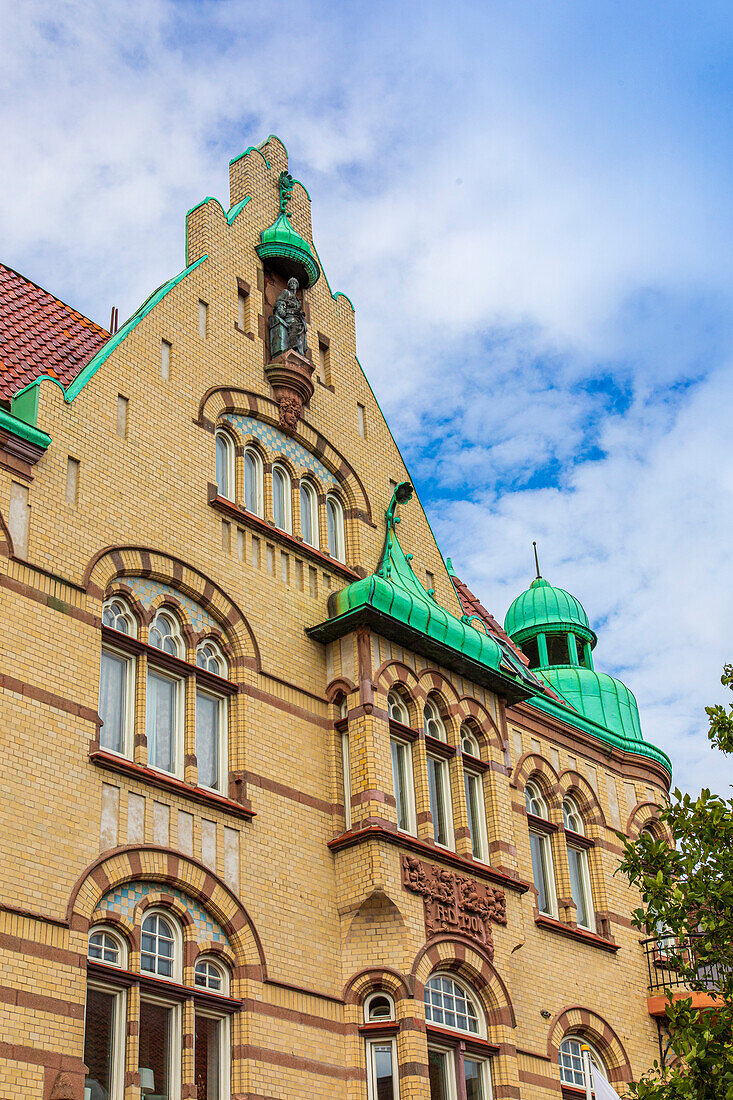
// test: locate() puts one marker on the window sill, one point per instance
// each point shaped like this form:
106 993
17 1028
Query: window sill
404 840
268 530
379 1028
439 748
541 824
577 840
580 934
166 660
407 733
471 1042
103 759
473 763
115 975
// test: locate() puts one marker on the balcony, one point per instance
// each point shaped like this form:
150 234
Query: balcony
668 965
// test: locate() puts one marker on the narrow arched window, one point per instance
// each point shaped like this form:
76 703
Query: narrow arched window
210 658
534 801
335 527
434 724
253 481
539 842
281 498
469 742
571 817
157 946
397 708
578 867
165 634
224 465
308 514
106 947
117 616
210 975
378 1007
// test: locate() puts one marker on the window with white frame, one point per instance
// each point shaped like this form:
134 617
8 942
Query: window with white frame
159 1046
335 528
469 742
164 699
253 482
117 616
572 1070
106 946
476 812
580 886
346 774
308 514
440 802
211 722
459 1067
224 447
402 784
209 974
433 720
211 1054
104 1040
159 940
165 634
397 708
378 1007
117 681
281 498
539 842
381 1064
211 659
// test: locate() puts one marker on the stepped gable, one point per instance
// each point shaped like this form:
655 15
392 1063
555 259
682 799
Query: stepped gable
39 334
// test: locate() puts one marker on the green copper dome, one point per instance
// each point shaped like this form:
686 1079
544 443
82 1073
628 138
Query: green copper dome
288 252
597 696
544 607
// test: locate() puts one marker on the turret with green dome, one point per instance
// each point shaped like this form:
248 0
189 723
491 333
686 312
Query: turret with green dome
551 628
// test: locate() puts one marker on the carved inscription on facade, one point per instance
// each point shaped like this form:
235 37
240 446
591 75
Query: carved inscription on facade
454 903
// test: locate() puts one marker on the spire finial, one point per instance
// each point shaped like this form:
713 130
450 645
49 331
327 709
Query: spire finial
536 560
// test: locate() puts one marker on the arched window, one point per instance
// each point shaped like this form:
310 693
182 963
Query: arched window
539 842
580 885
534 801
165 634
211 658
224 465
106 947
281 498
308 514
572 1071
469 742
210 975
455 1067
377 1007
253 481
157 946
335 527
397 708
434 724
117 616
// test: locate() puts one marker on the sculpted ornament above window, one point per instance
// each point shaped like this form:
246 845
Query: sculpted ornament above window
454 903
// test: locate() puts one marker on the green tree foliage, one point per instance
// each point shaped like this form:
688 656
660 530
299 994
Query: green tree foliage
687 891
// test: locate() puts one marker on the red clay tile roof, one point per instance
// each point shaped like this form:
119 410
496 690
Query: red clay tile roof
40 335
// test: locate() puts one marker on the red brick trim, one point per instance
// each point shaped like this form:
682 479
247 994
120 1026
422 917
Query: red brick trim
57 955
292 1061
37 1002
40 695
306 1019
36 1056
103 759
402 840
289 708
320 804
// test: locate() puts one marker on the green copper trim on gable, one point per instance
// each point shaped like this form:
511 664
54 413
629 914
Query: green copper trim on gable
236 209
252 149
571 717
16 425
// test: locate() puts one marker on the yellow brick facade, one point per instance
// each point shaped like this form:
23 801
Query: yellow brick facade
309 924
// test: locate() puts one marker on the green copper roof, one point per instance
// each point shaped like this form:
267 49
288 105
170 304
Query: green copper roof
393 598
282 242
542 607
598 696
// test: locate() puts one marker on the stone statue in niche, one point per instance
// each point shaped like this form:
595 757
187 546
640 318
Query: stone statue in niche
287 323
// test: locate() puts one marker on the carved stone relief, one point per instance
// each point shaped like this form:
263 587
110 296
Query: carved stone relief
453 902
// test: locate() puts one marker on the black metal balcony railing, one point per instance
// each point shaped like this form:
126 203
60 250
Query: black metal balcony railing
671 964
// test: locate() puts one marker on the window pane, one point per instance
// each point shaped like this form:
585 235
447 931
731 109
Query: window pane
160 722
473 1075
474 808
438 1074
251 483
222 466
383 1077
399 783
306 516
531 649
207 1058
577 885
537 844
278 499
557 649
99 1041
207 740
436 783
154 1060
112 701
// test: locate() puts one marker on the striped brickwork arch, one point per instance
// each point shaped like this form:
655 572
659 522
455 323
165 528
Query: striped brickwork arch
577 1020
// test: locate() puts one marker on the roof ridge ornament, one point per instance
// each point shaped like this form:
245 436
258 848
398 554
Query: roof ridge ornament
401 494
286 184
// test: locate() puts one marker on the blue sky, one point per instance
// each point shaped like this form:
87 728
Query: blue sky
530 206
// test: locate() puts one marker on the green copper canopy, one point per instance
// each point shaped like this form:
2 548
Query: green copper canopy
396 604
287 250
598 696
543 608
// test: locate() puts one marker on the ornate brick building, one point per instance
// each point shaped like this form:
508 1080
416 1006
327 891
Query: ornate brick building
286 813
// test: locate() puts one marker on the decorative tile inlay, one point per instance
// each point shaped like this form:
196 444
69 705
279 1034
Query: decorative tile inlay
277 443
146 590
123 900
